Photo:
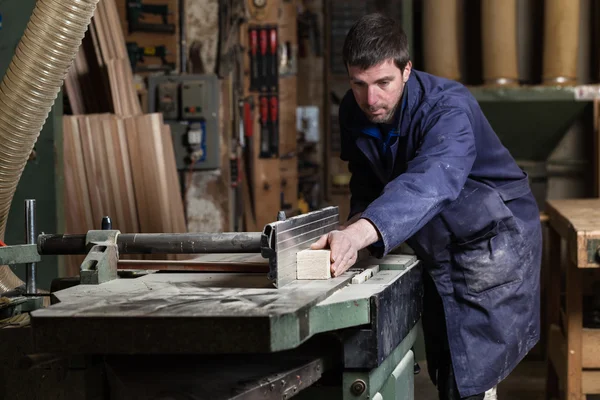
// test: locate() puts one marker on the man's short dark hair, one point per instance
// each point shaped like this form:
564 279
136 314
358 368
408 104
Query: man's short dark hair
373 39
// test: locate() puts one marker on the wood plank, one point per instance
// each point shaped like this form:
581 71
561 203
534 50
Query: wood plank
92 178
580 215
145 178
137 173
125 180
76 199
102 168
160 182
202 261
591 348
577 221
590 382
557 357
104 46
115 174
177 213
574 327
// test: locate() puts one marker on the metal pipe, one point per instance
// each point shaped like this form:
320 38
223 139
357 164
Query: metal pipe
30 238
157 243
189 243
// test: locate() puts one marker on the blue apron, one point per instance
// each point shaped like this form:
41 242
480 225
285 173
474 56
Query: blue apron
443 183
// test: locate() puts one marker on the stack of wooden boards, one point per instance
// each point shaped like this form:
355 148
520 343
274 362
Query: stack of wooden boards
120 167
100 79
118 162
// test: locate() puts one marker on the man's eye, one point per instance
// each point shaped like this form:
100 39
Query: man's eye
384 83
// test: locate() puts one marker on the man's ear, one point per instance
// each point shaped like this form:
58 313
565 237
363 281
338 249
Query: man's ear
406 71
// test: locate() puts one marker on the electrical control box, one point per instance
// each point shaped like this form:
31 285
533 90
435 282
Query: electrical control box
190 106
168 100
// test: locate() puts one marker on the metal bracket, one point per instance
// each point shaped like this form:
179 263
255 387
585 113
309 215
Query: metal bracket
19 254
100 264
281 240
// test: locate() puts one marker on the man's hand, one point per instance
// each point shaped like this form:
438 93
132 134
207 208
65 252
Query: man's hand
343 250
345 244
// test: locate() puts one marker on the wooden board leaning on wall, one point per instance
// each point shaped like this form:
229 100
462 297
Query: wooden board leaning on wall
124 168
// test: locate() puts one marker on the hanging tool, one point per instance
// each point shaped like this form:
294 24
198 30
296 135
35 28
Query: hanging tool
263 61
273 60
249 147
254 70
274 126
248 115
138 53
265 147
135 12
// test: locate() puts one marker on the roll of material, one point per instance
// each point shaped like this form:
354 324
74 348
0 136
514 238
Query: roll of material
499 37
561 41
440 38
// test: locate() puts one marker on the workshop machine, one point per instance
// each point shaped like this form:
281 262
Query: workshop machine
231 322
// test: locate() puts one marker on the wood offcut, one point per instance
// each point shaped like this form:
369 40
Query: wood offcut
313 264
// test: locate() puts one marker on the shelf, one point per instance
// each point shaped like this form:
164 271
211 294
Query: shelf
541 93
531 120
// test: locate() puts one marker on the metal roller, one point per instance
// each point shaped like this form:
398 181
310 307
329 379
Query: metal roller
157 243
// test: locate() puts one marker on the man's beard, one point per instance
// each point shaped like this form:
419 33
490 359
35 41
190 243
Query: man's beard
385 118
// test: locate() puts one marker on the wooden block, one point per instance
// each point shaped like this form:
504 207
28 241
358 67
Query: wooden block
365 275
313 264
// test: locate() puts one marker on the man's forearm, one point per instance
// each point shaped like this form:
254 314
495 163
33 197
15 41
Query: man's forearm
363 233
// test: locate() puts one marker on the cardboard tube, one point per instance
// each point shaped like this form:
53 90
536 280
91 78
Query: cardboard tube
561 41
499 37
440 38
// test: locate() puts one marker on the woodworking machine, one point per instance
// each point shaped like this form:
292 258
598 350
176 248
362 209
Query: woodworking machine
228 332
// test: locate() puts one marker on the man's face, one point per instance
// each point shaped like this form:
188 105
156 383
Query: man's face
378 89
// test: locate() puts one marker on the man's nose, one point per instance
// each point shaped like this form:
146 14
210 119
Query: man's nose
371 95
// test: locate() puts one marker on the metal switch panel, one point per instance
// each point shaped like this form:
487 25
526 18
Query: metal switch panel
194 97
168 100
190 106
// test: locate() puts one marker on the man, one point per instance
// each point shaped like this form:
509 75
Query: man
427 169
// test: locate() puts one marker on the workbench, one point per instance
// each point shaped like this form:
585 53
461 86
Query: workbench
573 346
226 326
291 336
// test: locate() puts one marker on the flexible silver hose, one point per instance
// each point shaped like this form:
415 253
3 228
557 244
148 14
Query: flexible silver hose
28 91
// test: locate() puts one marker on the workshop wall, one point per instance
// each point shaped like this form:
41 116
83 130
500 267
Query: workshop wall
151 30
201 35
249 188
311 102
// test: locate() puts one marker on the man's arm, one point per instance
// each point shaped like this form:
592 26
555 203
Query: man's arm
434 178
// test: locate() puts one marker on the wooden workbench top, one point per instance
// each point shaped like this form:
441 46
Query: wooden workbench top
578 222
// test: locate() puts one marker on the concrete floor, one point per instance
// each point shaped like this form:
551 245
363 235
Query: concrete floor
527 382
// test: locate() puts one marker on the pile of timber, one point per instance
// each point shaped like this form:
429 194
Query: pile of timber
118 162
122 167
100 79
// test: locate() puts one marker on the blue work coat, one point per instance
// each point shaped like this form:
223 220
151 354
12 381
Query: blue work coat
441 181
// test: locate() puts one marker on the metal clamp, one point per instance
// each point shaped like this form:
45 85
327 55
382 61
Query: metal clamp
100 264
